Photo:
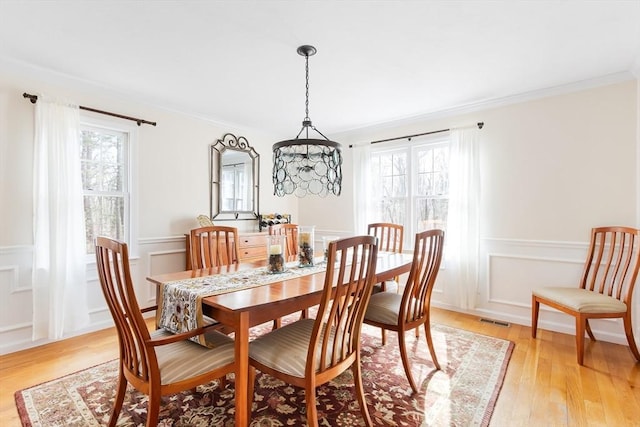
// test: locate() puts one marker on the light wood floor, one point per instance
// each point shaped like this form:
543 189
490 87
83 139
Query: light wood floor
544 385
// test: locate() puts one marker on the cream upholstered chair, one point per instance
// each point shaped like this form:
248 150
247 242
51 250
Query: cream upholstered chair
213 246
309 352
410 310
390 239
606 287
156 363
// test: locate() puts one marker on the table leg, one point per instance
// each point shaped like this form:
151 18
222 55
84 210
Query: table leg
243 413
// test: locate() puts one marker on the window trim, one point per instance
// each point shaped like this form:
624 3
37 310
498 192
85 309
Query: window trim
131 222
411 146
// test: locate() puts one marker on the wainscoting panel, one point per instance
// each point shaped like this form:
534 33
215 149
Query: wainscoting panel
510 278
509 270
156 256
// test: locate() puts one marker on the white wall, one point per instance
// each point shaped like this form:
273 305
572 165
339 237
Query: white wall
553 168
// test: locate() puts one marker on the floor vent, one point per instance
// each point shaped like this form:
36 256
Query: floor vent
495 322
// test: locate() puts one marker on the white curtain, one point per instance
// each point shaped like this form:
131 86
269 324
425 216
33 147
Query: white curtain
361 193
462 236
59 266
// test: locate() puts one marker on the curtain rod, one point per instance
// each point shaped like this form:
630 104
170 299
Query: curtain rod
479 124
34 99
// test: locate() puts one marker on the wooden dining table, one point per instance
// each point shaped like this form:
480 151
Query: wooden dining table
242 309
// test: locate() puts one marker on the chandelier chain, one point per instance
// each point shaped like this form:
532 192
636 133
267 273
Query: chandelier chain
307 88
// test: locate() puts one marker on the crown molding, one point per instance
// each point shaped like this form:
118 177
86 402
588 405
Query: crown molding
578 86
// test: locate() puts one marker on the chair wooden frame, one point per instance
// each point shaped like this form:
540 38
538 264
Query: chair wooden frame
390 239
330 343
609 276
390 236
291 232
411 309
213 246
140 350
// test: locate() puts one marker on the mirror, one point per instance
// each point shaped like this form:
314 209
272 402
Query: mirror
234 179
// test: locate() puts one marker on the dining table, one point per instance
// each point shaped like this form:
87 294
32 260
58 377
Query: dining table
239 310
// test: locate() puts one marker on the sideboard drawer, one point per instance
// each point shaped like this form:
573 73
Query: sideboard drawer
251 253
252 246
252 240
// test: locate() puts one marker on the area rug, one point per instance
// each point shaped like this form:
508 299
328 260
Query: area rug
463 393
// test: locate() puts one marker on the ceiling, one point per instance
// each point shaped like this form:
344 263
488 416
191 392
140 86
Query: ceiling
235 62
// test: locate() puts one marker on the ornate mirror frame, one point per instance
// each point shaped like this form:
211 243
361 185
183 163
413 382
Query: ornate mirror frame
216 150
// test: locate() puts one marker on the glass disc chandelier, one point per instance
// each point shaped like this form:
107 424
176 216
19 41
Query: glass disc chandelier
306 165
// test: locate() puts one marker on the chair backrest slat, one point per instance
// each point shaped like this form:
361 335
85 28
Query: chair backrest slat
291 232
427 257
390 236
112 259
214 246
347 288
613 262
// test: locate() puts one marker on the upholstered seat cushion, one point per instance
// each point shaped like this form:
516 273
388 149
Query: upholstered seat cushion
285 349
186 359
384 307
581 300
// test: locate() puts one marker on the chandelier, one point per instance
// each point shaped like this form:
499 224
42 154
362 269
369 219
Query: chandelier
306 165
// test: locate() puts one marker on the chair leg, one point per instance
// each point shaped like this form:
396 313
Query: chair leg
588 329
223 381
153 409
357 379
405 360
117 404
276 323
580 328
310 398
628 330
383 332
535 307
304 314
251 388
432 351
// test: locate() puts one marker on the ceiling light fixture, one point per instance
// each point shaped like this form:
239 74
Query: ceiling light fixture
306 165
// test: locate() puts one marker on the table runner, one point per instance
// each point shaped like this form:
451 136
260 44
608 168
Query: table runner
180 302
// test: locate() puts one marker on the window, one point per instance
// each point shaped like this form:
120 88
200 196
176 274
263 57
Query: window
105 162
410 184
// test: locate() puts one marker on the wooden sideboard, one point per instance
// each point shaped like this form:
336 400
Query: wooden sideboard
251 247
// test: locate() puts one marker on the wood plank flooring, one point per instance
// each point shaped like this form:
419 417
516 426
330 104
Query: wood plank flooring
544 385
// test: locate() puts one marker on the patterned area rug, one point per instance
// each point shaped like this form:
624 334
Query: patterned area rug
462 394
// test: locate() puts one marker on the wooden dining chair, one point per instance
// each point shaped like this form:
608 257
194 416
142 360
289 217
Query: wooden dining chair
155 363
390 239
310 352
213 246
605 289
291 232
410 310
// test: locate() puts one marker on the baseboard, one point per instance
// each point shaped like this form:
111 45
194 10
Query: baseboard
564 328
